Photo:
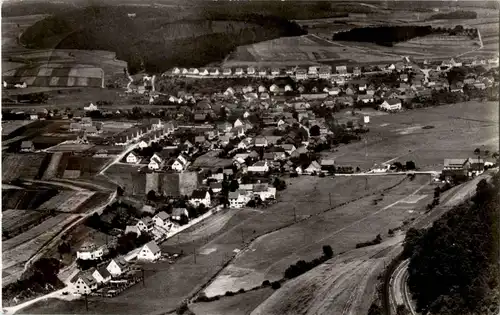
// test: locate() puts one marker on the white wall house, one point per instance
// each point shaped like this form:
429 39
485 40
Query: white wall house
178 165
117 266
264 191
149 252
238 199
84 283
145 224
101 275
162 220
259 167
90 251
132 158
155 162
391 104
200 196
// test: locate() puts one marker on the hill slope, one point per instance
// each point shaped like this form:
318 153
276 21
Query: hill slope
155 39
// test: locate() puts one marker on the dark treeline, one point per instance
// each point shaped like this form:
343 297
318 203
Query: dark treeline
454 15
454 264
384 35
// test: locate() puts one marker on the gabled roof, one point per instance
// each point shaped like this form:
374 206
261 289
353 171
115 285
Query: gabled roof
455 162
216 185
260 163
163 215
146 220
393 101
178 211
261 187
315 165
199 194
233 194
153 247
104 272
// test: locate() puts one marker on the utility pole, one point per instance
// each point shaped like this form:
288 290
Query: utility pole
330 198
86 303
366 183
294 214
194 255
143 281
366 150
242 237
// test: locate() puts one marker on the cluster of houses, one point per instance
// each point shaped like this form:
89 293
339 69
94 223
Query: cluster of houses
462 169
323 71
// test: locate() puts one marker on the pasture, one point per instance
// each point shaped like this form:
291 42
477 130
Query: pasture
458 130
25 165
67 201
341 227
212 161
11 126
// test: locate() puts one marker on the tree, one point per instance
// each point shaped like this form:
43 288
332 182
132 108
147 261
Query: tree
314 131
151 195
184 219
234 185
410 165
119 191
477 151
327 251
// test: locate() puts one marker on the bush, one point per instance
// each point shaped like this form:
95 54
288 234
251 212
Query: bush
276 285
266 283
229 293
376 241
327 251
321 174
241 290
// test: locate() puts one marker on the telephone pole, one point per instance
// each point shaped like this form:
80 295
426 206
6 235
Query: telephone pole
86 303
242 237
194 255
294 214
330 198
366 183
143 281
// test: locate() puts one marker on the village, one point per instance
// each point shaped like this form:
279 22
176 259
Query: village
232 148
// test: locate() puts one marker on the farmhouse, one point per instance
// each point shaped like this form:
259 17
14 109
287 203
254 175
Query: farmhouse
457 169
162 220
200 196
391 104
90 108
84 283
149 252
193 71
365 98
238 199
324 72
177 213
238 71
132 229
342 70
214 72
204 72
251 71
261 142
155 162
90 251
264 191
117 266
259 167
226 71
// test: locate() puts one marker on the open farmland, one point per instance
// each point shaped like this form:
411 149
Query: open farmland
21 166
303 50
11 126
401 137
342 285
19 249
15 221
342 227
67 201
25 198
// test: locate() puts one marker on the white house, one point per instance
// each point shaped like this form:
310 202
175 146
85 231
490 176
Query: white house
90 251
261 142
162 220
117 266
178 165
143 144
288 88
238 123
216 187
155 162
264 191
156 123
238 199
259 167
90 108
200 196
391 104
238 71
145 224
204 72
149 252
101 275
84 283
245 143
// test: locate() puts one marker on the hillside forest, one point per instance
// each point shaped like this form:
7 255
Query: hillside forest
454 264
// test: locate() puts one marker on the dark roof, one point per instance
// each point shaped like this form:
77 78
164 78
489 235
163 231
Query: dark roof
199 194
104 272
